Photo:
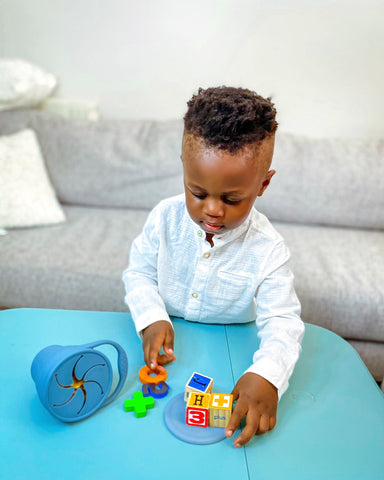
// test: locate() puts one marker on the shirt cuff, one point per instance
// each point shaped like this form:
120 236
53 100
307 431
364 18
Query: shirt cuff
150 317
268 369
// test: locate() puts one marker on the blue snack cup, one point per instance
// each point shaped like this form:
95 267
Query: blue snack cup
74 381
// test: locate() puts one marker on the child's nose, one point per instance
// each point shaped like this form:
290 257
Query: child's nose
214 208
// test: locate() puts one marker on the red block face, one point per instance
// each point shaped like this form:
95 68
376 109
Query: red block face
197 417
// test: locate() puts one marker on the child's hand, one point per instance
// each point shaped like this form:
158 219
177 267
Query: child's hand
155 337
257 399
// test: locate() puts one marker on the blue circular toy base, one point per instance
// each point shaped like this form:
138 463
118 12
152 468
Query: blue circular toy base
174 419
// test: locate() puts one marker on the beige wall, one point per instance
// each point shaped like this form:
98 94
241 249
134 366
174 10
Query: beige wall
321 60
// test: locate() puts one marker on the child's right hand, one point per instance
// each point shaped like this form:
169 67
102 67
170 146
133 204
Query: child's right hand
156 336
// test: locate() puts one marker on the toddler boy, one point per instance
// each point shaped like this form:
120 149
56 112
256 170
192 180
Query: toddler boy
208 255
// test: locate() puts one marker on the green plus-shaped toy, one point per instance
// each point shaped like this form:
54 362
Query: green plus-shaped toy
139 404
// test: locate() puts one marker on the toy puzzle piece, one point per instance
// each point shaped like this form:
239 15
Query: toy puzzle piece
197 412
156 391
198 383
139 404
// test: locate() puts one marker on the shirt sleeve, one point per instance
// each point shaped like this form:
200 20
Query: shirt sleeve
140 278
280 327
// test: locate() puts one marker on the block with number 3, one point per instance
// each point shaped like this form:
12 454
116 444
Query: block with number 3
197 412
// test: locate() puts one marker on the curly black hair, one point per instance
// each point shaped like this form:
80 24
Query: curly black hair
229 118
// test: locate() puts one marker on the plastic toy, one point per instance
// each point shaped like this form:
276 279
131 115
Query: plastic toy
146 375
74 381
156 391
139 404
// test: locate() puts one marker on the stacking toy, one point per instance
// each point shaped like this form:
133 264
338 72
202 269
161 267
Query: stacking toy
74 381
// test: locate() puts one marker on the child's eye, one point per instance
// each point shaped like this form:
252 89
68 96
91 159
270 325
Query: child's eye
201 196
229 201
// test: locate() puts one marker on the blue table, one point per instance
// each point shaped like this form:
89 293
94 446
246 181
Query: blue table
330 421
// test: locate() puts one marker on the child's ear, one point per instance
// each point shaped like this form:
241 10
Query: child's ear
266 182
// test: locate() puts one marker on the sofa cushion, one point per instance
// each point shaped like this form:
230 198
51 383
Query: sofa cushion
76 265
326 181
372 354
23 84
111 163
27 197
339 278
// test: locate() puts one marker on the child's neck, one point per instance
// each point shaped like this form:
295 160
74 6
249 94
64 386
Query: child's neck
209 238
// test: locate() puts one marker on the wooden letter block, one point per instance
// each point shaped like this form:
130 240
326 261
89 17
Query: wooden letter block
198 383
220 409
197 413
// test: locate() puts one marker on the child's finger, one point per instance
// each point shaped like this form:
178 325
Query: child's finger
168 344
153 360
263 425
149 359
249 430
237 414
235 393
272 422
156 360
164 359
151 352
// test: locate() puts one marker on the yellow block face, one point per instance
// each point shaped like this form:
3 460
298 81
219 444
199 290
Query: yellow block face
222 401
199 400
220 409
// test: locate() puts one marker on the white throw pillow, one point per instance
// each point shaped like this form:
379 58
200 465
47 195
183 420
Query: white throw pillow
27 197
23 84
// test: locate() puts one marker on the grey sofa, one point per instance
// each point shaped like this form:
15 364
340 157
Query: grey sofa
327 200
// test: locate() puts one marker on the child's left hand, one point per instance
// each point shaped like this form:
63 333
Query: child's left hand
257 399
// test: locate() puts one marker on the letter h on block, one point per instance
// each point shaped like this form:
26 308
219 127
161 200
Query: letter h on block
220 408
197 413
198 383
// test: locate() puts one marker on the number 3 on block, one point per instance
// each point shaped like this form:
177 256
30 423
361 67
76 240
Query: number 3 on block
197 417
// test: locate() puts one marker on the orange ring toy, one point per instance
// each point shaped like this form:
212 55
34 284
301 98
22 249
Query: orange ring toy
146 377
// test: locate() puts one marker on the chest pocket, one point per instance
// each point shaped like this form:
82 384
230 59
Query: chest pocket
228 288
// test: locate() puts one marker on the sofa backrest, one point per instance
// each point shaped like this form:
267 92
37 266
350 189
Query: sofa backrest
111 163
136 163
326 181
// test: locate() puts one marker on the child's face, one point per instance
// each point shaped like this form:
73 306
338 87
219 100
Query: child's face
220 187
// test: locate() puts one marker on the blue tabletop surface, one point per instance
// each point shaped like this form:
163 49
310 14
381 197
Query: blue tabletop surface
330 421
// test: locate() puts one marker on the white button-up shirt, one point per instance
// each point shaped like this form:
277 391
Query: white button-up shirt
174 271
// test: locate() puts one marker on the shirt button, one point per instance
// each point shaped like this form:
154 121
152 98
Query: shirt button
206 255
200 233
195 295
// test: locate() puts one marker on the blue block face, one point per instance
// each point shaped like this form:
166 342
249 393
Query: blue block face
199 382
